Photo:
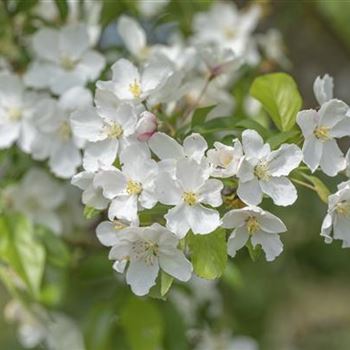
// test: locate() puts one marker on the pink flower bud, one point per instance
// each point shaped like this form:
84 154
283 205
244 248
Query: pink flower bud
146 126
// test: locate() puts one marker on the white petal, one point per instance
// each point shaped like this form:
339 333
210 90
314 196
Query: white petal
124 207
175 220
8 134
100 154
237 240
341 129
167 189
342 228
253 144
280 189
175 264
307 121
195 146
235 218
210 192
126 116
202 220
165 147
93 197
271 223
91 65
107 234
312 151
326 228
270 243
191 175
284 160
87 124
323 89
250 192
112 182
45 44
77 97
132 34
332 112
141 277
246 171
73 40
332 160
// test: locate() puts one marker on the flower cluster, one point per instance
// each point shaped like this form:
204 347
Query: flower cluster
138 149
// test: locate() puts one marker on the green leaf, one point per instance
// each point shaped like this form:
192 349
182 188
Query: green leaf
200 115
22 251
276 140
279 95
208 253
142 324
62 8
254 125
216 125
320 188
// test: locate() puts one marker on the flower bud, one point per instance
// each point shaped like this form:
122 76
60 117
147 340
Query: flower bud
146 126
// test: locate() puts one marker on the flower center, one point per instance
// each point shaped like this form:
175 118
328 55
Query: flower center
14 114
64 131
68 63
145 250
229 33
114 130
133 187
189 198
118 225
226 159
322 133
252 225
261 171
343 208
135 89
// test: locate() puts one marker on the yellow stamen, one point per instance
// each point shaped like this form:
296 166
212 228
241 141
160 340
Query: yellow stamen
133 187
135 89
322 133
252 225
114 130
64 131
14 114
68 63
189 198
343 208
229 33
261 171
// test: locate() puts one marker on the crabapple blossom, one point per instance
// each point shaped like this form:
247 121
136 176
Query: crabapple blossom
188 191
323 89
148 249
225 160
131 85
337 219
55 138
18 111
64 59
321 129
38 196
261 227
106 131
262 171
131 188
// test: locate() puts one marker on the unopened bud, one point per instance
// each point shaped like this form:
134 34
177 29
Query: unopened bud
146 126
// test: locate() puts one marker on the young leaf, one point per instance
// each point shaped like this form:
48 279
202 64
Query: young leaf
165 283
208 253
276 140
279 95
199 115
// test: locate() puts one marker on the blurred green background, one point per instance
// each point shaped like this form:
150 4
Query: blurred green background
298 302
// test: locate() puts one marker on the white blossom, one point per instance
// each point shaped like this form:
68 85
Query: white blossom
146 126
188 192
130 189
18 111
37 196
148 249
225 160
262 171
133 85
261 227
64 59
106 128
321 129
337 219
56 139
